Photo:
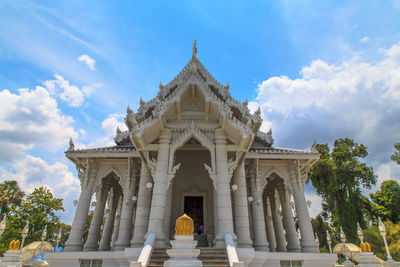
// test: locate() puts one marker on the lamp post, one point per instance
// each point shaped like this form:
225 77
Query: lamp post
329 239
344 240
58 239
3 226
250 199
317 239
149 186
234 188
24 234
42 238
360 233
382 230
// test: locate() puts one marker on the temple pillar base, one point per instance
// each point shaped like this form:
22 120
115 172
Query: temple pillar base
368 259
11 258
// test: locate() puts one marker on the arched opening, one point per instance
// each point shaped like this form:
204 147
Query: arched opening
192 189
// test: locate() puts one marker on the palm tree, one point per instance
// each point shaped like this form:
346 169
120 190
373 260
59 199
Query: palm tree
10 194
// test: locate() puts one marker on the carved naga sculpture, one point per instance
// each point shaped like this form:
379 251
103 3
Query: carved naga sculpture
184 225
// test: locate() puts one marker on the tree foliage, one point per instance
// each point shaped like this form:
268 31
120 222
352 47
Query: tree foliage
337 178
396 155
10 194
40 208
387 201
374 238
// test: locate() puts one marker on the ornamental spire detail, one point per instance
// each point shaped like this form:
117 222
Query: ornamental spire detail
194 54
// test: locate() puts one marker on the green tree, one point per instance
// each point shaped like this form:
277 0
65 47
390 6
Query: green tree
40 208
396 155
337 178
374 238
387 201
10 194
320 227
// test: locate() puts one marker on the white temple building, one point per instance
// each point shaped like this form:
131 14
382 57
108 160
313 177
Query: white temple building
193 149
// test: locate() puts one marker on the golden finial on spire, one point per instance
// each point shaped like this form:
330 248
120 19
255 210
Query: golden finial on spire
194 55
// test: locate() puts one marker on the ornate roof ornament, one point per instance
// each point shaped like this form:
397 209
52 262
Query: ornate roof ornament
130 119
194 53
141 101
265 138
314 147
71 145
193 69
118 131
226 87
245 102
129 110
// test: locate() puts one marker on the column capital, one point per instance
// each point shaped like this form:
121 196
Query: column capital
220 137
165 136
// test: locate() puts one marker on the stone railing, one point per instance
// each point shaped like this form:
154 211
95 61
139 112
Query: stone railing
231 251
145 254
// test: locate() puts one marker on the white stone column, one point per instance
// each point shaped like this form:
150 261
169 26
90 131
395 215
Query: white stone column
142 208
92 242
167 214
269 225
224 203
215 215
88 178
276 218
241 210
105 243
158 202
116 223
293 244
307 243
260 235
125 225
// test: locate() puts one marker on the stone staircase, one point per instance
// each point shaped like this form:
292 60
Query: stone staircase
201 240
158 257
214 257
210 256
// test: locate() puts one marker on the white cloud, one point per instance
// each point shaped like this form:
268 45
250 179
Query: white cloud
67 92
364 39
316 204
355 99
111 123
31 172
29 118
90 62
89 89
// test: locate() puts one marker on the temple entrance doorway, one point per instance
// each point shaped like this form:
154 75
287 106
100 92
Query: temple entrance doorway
193 207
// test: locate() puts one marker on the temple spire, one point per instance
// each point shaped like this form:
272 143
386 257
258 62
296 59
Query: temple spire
194 54
71 145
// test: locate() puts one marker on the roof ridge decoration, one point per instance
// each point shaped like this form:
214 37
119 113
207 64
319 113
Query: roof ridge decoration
194 72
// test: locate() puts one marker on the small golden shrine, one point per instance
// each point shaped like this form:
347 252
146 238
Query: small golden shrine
184 225
14 245
365 247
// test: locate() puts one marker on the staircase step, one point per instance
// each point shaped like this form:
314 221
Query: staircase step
210 256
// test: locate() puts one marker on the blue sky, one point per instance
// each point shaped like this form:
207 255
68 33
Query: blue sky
318 69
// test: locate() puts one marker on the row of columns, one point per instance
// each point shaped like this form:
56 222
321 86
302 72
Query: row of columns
271 232
117 230
267 222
